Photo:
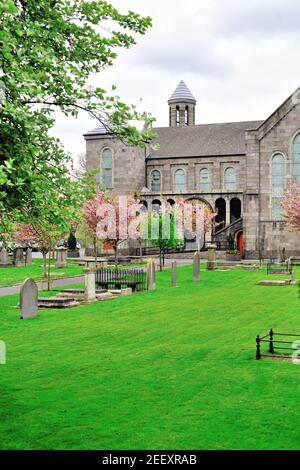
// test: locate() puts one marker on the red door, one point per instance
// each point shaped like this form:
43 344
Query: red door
240 243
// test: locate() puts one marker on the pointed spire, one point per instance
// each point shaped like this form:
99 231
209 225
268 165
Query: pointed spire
182 93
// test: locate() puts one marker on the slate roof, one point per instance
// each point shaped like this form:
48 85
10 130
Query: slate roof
203 140
97 131
182 93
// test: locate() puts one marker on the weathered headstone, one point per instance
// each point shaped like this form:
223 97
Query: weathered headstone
211 261
28 257
4 260
196 267
28 299
293 278
19 257
61 257
90 285
174 274
151 274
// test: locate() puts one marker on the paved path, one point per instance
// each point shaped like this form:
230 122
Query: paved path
42 285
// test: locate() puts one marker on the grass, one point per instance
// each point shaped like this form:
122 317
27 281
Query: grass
16 275
170 369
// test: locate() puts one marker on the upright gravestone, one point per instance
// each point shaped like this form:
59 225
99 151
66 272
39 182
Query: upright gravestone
19 257
4 260
211 261
196 267
90 285
28 299
174 274
28 257
61 258
151 274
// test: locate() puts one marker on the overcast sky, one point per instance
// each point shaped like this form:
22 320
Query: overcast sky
240 60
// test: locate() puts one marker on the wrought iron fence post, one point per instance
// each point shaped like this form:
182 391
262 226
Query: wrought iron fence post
271 341
258 354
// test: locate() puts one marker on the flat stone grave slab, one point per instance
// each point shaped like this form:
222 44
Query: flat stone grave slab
57 302
81 291
249 267
286 282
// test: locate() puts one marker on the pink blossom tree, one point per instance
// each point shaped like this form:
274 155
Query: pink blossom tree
291 207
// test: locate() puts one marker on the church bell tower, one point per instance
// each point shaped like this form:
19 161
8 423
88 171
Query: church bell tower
182 107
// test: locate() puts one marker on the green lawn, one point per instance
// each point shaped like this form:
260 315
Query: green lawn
172 369
15 275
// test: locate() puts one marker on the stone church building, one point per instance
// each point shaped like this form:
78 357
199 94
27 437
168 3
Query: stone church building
239 168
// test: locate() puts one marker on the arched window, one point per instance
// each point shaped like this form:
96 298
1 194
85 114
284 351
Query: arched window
278 184
179 181
186 116
155 181
296 158
204 180
107 170
230 178
177 115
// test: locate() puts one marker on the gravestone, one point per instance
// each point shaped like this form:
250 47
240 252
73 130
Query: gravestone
28 257
19 257
4 260
196 267
211 261
151 274
61 257
28 299
293 278
90 285
174 274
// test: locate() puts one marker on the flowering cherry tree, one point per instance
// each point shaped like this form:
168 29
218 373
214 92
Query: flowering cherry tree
291 207
111 220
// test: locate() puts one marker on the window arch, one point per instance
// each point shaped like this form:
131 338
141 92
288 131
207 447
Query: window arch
107 168
230 178
155 181
296 159
204 179
278 184
180 181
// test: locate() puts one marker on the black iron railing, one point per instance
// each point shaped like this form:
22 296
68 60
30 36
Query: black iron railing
279 268
276 345
121 279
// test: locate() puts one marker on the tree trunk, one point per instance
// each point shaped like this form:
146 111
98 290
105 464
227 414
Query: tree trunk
45 264
160 259
49 266
116 256
95 252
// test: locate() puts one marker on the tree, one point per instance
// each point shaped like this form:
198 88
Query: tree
107 219
49 49
291 207
91 217
163 232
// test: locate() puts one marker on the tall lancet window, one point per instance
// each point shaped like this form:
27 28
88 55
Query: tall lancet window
230 179
296 159
186 116
107 168
278 185
180 181
204 180
177 115
155 181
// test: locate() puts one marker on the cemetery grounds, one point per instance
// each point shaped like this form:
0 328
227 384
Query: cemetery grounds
168 369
